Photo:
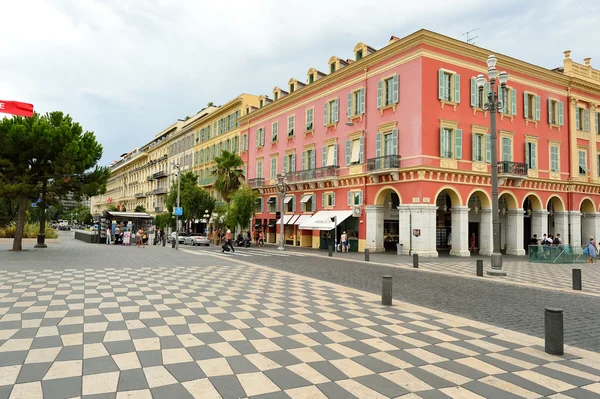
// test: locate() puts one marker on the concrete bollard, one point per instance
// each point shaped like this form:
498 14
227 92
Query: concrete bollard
330 249
367 254
164 242
577 279
479 268
554 333
172 243
416 261
386 291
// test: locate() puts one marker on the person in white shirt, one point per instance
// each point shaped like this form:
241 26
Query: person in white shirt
108 235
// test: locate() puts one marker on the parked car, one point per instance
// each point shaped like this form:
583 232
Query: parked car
181 237
196 239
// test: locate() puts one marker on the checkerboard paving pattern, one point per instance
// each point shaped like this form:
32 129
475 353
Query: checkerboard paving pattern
533 274
242 331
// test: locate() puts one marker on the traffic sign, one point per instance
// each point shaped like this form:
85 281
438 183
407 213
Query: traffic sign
33 205
178 211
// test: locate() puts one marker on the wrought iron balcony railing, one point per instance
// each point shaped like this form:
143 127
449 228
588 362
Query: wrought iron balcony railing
149 178
312 174
158 191
140 195
383 163
256 183
159 174
512 168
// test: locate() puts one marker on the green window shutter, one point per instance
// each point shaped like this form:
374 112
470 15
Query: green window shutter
395 89
577 118
487 90
258 138
335 155
324 158
335 113
379 94
456 88
304 160
362 101
534 156
488 148
378 145
285 164
513 100
458 143
294 203
474 92
473 146
550 111
348 150
293 166
443 149
360 197
333 200
597 122
537 108
441 88
362 151
350 198
325 114
349 104
586 120
323 203
527 157
525 105
395 141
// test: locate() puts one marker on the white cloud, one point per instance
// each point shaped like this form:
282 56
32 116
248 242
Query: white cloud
128 69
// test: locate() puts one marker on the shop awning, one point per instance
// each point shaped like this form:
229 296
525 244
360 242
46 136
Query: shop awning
306 198
271 200
322 220
127 215
287 200
286 219
301 219
293 220
258 223
272 223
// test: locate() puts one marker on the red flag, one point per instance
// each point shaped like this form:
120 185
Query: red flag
16 108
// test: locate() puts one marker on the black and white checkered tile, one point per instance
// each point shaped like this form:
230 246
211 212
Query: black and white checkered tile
242 331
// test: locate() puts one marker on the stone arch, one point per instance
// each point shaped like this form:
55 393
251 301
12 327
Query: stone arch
587 205
510 198
484 198
382 193
557 202
452 193
536 202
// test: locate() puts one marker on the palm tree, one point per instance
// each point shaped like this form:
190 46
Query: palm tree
229 174
210 104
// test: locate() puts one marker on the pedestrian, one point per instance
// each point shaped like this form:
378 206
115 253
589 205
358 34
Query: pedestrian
472 243
261 239
557 240
592 250
108 235
449 240
533 245
162 236
139 241
118 237
255 235
228 242
344 239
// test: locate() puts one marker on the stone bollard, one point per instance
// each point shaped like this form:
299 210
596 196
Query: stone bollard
164 242
479 268
577 279
330 249
386 291
416 261
172 243
367 254
554 333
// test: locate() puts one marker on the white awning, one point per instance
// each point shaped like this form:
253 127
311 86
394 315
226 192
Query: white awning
301 219
293 219
286 219
306 198
287 199
322 220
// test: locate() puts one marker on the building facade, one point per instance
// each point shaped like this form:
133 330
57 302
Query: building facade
395 145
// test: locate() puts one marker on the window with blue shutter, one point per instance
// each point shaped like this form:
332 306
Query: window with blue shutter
304 155
362 146
537 108
474 93
395 89
324 158
456 88
273 168
554 158
293 161
335 113
362 101
323 201
349 112
487 90
378 145
586 120
326 113
285 164
488 148
335 155
275 132
350 198
458 143
513 102
257 138
333 200
379 94
526 105
394 142
348 151
442 89
578 118
506 149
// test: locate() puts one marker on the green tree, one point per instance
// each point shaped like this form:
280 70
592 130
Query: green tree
163 220
140 208
112 208
243 207
194 200
229 174
43 154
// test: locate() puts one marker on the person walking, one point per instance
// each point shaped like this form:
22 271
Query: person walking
472 243
228 242
162 236
138 238
108 235
261 239
344 240
255 235
592 250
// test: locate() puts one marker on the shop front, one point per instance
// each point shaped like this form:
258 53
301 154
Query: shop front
331 225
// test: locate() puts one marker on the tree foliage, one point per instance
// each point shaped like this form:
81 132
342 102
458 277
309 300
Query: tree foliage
112 208
229 174
140 208
53 148
242 208
194 200
163 220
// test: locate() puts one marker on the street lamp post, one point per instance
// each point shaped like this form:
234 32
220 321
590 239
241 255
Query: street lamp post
282 190
41 238
493 105
206 217
176 166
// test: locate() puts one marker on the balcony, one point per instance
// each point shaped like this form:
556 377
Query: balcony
159 191
303 176
149 178
140 195
516 171
207 181
256 183
383 164
160 174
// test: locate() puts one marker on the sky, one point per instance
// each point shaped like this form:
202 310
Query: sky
127 69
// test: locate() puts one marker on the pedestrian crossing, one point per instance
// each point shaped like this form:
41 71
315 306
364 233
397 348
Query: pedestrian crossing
248 252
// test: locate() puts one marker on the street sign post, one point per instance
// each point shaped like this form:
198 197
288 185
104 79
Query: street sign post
178 211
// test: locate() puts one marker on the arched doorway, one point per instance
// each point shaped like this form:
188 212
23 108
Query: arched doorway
557 218
535 220
511 224
447 203
387 225
480 223
588 222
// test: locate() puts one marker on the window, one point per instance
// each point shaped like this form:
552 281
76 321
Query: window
259 205
274 132
582 163
330 155
555 112
260 137
506 149
289 163
332 68
328 200
388 148
509 104
450 143
582 116
290 203
531 155
354 151
291 88
272 204
275 96
309 119
290 125
355 198
274 168
356 103
554 158
531 106
311 78
260 104
308 159
387 92
259 169
308 203
331 112
478 147
479 97
358 55
448 86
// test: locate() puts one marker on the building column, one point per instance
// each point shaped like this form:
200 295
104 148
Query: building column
460 231
539 223
589 223
374 235
486 233
561 225
421 218
514 232
575 217
592 146
574 167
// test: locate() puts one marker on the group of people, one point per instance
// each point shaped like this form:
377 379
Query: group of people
259 238
540 247
141 237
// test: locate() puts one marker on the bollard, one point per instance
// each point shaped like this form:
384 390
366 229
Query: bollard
172 243
577 279
386 291
164 242
367 254
553 326
415 261
480 268
330 249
